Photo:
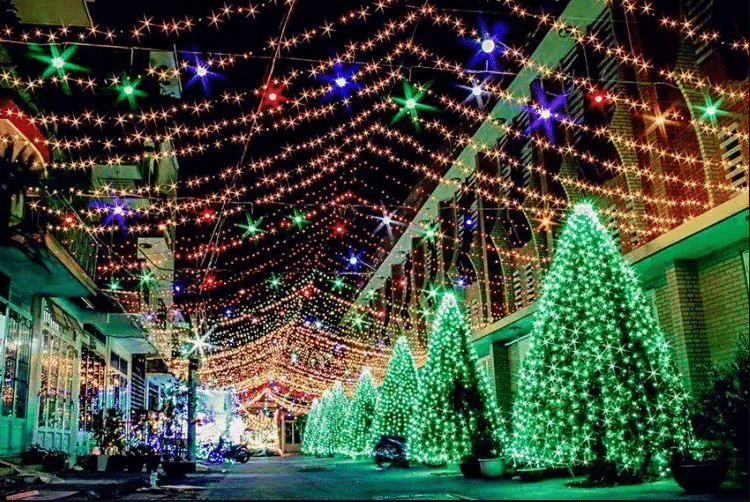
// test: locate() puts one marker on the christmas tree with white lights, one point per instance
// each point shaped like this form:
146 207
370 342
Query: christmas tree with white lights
333 421
597 387
358 429
398 394
456 417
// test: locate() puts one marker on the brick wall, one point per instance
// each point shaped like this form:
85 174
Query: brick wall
725 301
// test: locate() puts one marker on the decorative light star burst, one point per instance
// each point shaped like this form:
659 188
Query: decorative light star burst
711 110
546 113
477 92
58 61
410 103
201 72
298 220
252 228
341 81
488 46
127 89
117 210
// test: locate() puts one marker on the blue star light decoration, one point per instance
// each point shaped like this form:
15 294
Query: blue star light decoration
200 72
477 92
116 210
354 260
386 221
341 81
488 46
546 112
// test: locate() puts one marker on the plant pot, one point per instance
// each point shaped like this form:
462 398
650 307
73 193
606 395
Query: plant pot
116 463
54 463
471 469
532 475
31 458
135 463
492 467
98 463
177 469
699 477
152 462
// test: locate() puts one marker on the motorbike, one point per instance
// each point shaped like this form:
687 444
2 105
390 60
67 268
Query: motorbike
391 452
223 452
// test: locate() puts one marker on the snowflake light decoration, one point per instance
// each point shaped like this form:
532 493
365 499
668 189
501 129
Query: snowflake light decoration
546 113
488 46
341 81
200 72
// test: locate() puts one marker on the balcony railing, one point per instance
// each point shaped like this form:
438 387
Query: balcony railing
81 246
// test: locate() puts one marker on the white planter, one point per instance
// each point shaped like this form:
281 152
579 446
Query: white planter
101 462
492 467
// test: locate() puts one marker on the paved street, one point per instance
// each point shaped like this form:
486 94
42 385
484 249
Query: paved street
301 478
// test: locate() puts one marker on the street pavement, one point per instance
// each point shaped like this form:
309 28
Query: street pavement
305 478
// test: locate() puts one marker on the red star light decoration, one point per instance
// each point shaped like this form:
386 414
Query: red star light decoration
272 96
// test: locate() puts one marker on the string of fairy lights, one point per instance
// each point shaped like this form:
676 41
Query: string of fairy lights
305 185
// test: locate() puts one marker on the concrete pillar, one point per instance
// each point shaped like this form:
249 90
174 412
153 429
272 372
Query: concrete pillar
501 363
192 407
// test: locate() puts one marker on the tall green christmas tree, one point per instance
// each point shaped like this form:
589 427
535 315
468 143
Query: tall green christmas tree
598 386
333 421
310 433
398 394
358 429
456 416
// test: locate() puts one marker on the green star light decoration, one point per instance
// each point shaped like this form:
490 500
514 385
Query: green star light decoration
127 89
275 281
298 219
252 228
58 62
711 110
410 104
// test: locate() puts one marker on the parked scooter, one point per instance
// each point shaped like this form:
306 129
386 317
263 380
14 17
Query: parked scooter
391 452
222 453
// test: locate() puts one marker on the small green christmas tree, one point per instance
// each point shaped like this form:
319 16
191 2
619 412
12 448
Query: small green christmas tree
358 428
311 431
398 394
332 424
598 385
456 416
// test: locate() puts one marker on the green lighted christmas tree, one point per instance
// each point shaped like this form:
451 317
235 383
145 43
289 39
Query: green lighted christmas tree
398 394
597 387
456 417
332 422
358 429
310 433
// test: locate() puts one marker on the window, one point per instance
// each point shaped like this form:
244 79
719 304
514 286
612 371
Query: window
56 392
118 383
92 388
15 384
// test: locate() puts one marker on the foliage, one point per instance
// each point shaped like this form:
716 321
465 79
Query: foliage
398 394
456 417
333 421
311 431
109 431
721 412
598 387
358 438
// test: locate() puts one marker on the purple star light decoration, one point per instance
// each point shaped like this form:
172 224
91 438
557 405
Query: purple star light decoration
200 72
117 210
341 82
546 113
488 46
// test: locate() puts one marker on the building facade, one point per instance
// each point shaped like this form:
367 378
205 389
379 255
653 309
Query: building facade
669 180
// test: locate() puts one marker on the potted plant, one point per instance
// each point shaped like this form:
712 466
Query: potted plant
34 455
109 433
176 467
55 461
720 414
135 457
699 469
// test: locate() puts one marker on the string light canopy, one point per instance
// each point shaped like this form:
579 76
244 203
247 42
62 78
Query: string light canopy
279 171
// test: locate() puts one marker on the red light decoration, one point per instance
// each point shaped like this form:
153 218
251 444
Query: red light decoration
272 96
597 99
69 220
